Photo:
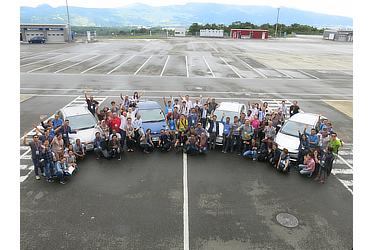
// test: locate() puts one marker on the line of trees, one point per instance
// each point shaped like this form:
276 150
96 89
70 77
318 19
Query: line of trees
293 28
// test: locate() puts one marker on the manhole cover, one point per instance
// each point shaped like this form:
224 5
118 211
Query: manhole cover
287 220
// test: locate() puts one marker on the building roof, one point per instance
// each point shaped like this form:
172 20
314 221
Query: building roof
43 24
251 29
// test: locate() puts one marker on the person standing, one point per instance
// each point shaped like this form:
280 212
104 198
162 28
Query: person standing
92 104
235 142
204 112
130 136
35 146
48 159
294 108
98 145
125 102
246 134
65 131
213 132
227 134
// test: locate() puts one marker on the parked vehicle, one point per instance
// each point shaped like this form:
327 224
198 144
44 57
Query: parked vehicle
288 135
230 109
37 39
152 117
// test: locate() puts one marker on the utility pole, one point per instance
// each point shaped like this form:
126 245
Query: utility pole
276 26
69 28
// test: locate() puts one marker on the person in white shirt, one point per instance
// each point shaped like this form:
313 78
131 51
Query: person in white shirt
253 109
189 103
131 113
184 108
176 103
137 125
283 109
122 128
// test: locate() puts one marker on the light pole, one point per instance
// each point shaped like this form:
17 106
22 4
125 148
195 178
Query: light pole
69 28
276 26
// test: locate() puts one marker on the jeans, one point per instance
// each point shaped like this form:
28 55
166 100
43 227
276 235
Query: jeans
212 140
37 165
123 137
250 154
59 171
235 143
203 150
98 151
48 168
304 170
146 147
191 149
226 143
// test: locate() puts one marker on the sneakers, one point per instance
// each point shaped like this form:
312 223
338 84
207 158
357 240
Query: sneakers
50 180
62 182
37 177
43 174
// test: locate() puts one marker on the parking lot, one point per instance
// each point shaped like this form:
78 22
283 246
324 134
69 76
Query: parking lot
175 201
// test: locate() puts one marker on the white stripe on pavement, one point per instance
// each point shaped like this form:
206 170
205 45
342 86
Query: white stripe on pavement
305 73
136 72
84 71
255 70
48 65
75 64
187 67
347 185
344 161
342 171
186 233
211 71
163 69
122 63
27 64
231 67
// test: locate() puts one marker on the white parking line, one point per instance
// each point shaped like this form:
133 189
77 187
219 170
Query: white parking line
255 70
122 63
187 67
136 72
68 67
163 69
211 71
345 162
186 233
98 64
305 73
212 47
342 171
48 65
347 184
231 67
39 55
27 64
283 73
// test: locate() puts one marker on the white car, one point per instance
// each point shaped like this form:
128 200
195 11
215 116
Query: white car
81 120
288 135
230 109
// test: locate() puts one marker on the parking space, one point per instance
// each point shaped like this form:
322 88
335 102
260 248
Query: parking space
154 66
176 66
131 66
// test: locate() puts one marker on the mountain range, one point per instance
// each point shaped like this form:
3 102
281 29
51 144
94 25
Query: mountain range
177 15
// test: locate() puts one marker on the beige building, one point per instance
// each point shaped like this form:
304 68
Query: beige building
53 33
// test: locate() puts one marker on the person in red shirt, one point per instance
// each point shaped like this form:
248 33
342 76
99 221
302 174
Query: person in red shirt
115 123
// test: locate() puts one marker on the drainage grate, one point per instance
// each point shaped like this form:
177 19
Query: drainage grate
287 220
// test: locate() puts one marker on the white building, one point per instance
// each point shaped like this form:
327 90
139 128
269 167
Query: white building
180 32
53 33
211 33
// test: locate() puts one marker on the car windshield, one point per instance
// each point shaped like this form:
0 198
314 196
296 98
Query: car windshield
79 122
230 114
292 128
152 115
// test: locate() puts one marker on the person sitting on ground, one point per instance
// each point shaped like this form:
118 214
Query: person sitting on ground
199 129
274 154
252 150
98 145
79 149
213 132
130 136
164 141
309 165
115 148
59 169
66 150
284 161
202 143
191 145
303 148
146 143
71 160
326 165
125 102
263 152
227 133
246 134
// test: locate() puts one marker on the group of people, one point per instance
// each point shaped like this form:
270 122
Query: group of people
192 126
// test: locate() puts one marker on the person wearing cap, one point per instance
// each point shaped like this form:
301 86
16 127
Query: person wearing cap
213 131
36 147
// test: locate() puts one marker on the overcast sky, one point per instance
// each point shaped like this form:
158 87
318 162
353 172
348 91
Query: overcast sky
333 7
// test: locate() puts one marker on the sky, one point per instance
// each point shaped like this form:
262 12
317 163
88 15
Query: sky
332 7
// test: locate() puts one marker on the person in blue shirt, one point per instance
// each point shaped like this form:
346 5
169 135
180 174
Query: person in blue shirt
227 131
313 138
168 106
57 122
65 130
171 122
192 118
98 145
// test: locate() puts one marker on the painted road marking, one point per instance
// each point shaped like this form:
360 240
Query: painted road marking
122 63
212 47
347 185
163 69
136 72
25 97
84 71
187 67
75 64
255 70
342 171
186 235
48 65
307 74
231 67
27 64
39 55
211 71
284 73
346 107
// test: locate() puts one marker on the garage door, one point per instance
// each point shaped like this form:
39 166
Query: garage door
55 36
32 33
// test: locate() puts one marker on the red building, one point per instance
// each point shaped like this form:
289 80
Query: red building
249 33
